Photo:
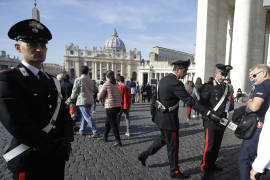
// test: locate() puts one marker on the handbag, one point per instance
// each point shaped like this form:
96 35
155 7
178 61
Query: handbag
247 126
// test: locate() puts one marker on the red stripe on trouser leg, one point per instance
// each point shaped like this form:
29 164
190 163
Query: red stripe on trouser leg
188 112
205 149
21 175
175 151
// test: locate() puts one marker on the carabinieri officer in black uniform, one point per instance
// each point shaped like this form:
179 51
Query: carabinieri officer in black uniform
212 94
32 111
165 113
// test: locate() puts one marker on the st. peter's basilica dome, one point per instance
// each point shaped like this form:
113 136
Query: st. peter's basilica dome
115 43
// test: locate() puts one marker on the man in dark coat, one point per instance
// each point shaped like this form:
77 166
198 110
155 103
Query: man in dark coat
29 102
165 113
66 87
210 95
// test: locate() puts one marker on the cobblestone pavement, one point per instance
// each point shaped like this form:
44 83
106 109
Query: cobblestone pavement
94 159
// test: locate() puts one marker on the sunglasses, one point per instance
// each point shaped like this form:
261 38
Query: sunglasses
224 74
255 75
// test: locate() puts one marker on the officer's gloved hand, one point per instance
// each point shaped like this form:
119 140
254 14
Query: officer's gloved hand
213 116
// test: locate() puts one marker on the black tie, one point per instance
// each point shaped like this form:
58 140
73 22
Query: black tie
41 75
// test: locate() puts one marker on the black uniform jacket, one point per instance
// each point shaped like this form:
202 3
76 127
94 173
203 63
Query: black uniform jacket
170 91
27 105
210 94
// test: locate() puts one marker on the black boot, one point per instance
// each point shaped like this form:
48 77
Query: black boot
180 176
217 168
142 158
205 175
117 143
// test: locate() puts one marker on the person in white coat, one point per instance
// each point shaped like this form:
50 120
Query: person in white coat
261 165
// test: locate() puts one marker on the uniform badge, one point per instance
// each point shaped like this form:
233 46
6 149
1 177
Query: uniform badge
35 26
259 124
23 71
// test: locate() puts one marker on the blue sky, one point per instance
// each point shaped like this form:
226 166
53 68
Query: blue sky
141 24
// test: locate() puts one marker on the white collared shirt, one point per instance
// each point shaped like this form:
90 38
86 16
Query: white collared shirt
262 160
33 69
174 74
217 81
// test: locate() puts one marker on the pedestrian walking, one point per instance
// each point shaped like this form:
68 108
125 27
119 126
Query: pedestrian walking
125 104
189 88
82 94
138 93
99 90
133 90
196 93
32 111
95 92
148 89
111 94
239 94
66 87
164 108
144 92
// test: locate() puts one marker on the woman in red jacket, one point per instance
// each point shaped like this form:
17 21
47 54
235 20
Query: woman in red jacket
125 103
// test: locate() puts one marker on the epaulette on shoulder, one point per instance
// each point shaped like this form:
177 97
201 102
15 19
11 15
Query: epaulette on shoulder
8 70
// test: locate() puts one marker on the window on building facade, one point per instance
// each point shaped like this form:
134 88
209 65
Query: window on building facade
89 64
71 63
71 52
90 75
134 76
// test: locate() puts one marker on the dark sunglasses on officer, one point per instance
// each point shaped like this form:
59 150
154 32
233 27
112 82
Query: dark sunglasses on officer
224 74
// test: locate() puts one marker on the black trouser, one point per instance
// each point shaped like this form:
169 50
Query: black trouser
53 169
213 138
171 138
111 122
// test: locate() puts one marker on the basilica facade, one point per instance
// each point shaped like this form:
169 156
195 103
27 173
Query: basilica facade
159 65
113 56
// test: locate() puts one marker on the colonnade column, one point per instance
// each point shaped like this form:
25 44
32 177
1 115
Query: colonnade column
267 40
229 40
121 70
112 66
129 72
248 40
100 70
149 77
95 76
77 67
93 71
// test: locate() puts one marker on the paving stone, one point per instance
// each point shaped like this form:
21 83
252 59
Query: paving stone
94 159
